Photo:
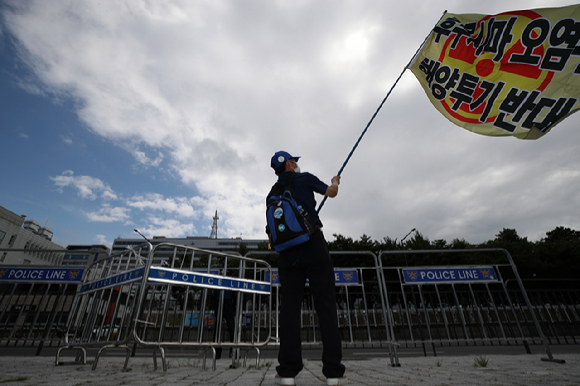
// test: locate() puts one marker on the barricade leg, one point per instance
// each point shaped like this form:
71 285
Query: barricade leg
81 349
214 366
163 361
127 356
257 356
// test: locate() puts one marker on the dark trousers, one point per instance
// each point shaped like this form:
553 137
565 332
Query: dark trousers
310 260
229 314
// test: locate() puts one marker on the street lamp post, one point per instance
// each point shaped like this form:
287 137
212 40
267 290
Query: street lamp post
403 239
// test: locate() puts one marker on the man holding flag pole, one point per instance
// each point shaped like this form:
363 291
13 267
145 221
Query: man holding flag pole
309 260
516 73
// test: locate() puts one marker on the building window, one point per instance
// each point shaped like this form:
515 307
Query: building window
2 234
26 262
3 257
76 257
12 239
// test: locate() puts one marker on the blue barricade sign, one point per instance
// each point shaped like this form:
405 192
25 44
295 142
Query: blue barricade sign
113 281
41 275
449 275
342 277
206 280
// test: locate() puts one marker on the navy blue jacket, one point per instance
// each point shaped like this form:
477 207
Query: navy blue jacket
304 185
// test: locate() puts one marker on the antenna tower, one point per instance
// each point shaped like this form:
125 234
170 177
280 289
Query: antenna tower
214 227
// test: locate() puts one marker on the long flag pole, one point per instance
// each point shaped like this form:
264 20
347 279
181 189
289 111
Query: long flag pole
379 108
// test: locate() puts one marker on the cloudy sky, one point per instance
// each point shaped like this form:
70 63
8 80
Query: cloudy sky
125 114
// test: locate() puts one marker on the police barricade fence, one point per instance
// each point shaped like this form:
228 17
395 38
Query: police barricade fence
35 301
204 300
468 304
362 306
162 297
103 312
556 303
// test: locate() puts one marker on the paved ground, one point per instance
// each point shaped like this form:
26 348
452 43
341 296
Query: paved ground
523 369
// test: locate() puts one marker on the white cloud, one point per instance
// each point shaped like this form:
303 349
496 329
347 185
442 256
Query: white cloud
109 214
102 240
109 195
87 187
142 158
158 226
156 202
208 91
23 135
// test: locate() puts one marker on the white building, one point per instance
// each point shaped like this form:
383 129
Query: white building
84 255
32 243
211 244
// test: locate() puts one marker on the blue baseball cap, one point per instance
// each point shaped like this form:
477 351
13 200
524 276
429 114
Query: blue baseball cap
279 158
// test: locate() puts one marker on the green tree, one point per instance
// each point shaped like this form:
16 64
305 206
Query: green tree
460 244
562 234
366 243
439 244
559 254
522 251
388 244
555 256
263 246
341 243
508 236
242 248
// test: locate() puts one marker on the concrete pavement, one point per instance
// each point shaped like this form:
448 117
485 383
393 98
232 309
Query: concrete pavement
523 369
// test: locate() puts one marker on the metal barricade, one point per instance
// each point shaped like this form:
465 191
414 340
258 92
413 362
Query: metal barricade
557 308
378 305
469 304
35 302
182 302
103 312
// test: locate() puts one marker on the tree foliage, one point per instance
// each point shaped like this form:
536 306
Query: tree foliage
555 256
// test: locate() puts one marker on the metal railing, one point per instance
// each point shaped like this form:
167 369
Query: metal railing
35 302
103 312
124 300
436 305
180 302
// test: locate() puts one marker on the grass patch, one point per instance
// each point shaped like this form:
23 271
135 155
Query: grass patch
480 361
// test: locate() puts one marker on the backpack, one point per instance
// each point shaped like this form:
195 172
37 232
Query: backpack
288 225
